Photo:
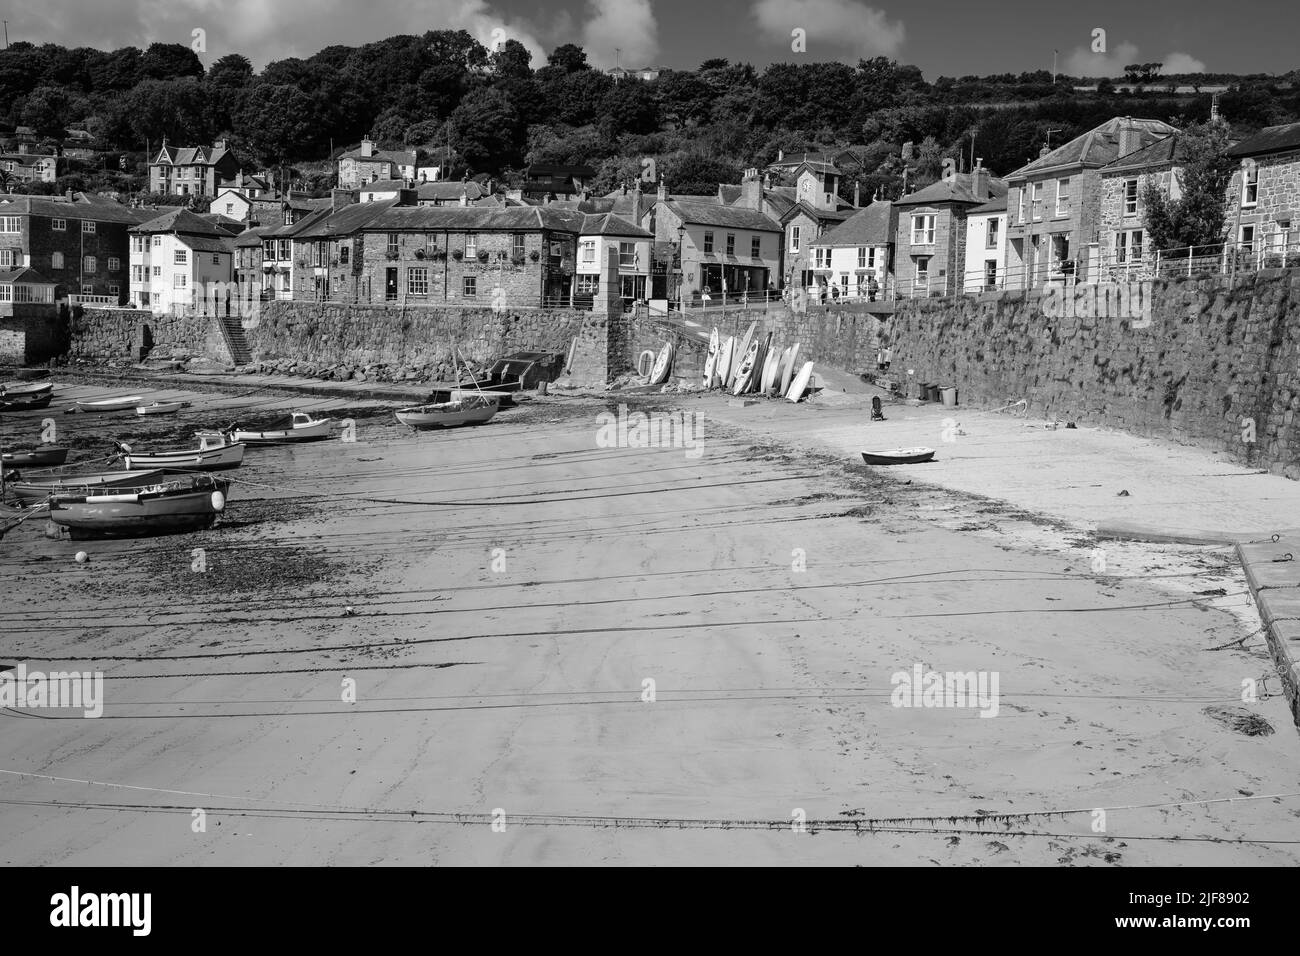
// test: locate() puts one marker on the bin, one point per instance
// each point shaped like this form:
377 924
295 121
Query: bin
949 396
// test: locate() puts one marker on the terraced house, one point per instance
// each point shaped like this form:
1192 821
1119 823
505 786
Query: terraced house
1054 203
368 164
1264 197
177 260
399 252
930 232
79 244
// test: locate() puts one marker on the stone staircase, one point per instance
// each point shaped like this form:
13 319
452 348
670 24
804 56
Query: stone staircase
232 330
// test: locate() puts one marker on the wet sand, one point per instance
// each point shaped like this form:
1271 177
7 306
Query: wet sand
500 596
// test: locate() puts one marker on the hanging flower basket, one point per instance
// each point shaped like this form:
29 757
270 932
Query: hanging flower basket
419 253
483 255
517 260
534 255
458 255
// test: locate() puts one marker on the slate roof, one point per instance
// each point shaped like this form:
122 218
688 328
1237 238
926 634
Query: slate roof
868 226
189 156
1097 147
608 224
387 216
993 205
207 243
402 157
25 274
958 189
82 207
1271 139
181 220
714 214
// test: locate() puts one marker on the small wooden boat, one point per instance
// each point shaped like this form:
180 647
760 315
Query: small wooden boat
160 408
472 410
214 453
175 505
110 404
18 397
13 389
295 427
41 456
898 456
24 403
663 365
516 373
32 490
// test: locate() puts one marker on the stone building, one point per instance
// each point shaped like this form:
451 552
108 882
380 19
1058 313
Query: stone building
1125 247
930 232
79 244
856 252
1054 202
1264 196
193 170
178 260
368 164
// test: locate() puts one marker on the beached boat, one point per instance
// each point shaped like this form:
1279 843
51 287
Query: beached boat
214 453
295 427
32 490
175 505
17 397
160 408
898 456
21 403
471 410
14 389
516 373
123 404
41 456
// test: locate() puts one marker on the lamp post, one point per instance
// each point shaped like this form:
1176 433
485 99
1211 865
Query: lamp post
681 268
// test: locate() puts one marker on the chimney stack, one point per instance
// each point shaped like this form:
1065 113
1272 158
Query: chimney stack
636 204
340 198
980 182
1128 136
464 196
857 194
663 189
367 148
751 190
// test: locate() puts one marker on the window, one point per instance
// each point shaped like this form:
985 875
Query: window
1020 205
756 246
922 230
1130 197
137 273
417 281
180 280
1128 246
268 249
1250 185
922 270
627 255
794 238
819 258
1062 197
589 250
286 249
90 264
517 245
471 248
991 233
114 264
59 225
990 274
587 285
1036 201
87 290
216 260
731 243
87 226
157 241
344 251
114 290
157 271
708 241
391 248
1247 239
469 287
180 257
9 224
230 209
862 257
137 244
8 258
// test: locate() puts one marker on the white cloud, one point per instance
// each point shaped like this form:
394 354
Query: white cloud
1176 63
626 25
260 29
1083 62
846 26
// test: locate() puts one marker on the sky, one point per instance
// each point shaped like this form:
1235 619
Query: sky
942 37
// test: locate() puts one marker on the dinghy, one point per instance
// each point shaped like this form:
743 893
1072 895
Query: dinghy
295 427
176 505
110 404
663 364
898 456
160 408
41 456
19 397
32 490
471 410
214 453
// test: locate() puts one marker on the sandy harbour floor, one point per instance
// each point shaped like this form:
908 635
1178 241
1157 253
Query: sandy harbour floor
502 595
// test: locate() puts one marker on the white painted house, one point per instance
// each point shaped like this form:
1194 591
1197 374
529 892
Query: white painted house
854 253
179 261
598 235
985 268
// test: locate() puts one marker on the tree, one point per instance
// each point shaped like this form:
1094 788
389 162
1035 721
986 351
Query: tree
568 57
487 131
696 174
279 124
232 72
1196 218
46 110
166 61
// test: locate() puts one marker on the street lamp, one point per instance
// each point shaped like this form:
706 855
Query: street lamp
681 268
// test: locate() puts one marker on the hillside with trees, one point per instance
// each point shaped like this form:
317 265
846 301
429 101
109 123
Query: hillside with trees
485 113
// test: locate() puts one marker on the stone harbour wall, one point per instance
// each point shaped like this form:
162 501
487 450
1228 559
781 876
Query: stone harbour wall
1215 359
120 335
